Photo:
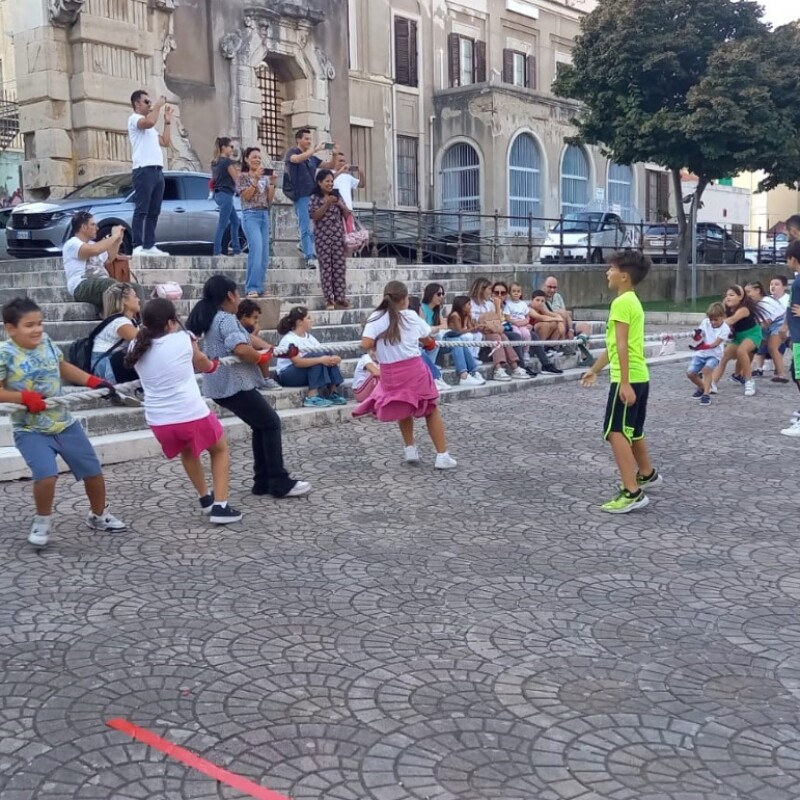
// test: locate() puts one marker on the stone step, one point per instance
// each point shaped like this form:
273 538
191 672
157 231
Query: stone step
137 443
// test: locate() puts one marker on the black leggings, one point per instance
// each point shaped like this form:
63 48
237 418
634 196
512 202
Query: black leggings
270 476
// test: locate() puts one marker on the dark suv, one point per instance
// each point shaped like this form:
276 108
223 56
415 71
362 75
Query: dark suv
186 225
714 244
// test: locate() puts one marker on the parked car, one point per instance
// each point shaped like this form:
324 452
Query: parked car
773 251
186 225
587 236
4 214
714 244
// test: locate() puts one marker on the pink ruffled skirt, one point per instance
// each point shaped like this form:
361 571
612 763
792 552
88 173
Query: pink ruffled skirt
406 389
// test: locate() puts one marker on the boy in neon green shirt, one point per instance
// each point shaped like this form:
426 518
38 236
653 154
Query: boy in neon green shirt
630 383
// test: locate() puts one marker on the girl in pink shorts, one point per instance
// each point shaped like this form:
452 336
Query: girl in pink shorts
166 358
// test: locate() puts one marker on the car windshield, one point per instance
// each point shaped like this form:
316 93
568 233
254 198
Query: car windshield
662 230
104 188
579 223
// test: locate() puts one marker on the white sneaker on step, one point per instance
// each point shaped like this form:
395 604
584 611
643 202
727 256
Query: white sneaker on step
519 374
154 251
412 454
441 385
445 461
471 380
501 375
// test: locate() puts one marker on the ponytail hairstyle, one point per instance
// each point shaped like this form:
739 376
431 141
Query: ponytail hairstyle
758 286
219 143
394 293
745 301
289 322
460 303
156 317
114 299
215 292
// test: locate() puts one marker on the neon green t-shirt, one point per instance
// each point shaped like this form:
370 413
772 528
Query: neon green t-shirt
627 308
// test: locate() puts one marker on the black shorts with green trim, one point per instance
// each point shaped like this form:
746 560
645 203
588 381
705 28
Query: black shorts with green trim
627 420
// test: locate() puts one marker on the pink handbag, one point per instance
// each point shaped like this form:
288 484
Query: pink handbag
169 290
356 240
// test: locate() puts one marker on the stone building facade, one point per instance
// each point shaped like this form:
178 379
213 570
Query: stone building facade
445 104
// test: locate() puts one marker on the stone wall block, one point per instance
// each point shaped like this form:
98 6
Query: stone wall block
90 169
101 115
52 143
59 176
110 31
48 85
44 114
48 55
87 86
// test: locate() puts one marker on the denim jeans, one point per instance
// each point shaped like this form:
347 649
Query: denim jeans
317 377
148 182
228 216
304 223
103 368
463 359
256 227
431 364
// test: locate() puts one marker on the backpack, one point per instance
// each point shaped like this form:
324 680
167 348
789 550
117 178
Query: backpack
79 352
287 187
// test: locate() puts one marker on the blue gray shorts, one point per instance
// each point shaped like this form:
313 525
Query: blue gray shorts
701 362
40 450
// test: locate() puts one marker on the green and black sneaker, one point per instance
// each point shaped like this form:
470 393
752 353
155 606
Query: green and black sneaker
651 481
625 502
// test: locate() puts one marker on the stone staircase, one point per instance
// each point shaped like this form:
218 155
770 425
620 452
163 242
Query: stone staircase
120 434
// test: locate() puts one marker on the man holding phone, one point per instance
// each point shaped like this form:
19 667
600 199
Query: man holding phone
302 163
148 168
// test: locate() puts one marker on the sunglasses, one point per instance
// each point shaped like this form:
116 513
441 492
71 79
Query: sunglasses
440 294
498 293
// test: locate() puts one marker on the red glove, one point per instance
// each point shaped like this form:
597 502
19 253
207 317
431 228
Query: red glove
266 357
428 343
213 368
33 401
292 351
98 383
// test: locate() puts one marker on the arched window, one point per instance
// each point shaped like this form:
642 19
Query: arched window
461 181
620 190
574 180
524 181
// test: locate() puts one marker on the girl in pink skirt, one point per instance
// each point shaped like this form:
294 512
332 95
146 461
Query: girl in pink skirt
406 389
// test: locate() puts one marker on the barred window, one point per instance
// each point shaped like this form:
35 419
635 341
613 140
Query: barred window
407 171
574 180
272 125
524 180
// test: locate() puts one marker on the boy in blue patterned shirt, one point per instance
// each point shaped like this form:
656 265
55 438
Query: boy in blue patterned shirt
31 370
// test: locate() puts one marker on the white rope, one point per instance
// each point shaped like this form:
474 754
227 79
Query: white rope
125 390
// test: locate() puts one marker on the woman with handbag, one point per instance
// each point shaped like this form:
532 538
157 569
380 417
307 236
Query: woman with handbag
328 212
225 174
256 187
121 302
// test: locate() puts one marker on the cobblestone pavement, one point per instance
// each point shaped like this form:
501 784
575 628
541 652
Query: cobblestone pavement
485 634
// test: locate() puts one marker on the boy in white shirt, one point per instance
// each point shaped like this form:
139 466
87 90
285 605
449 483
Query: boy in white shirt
714 333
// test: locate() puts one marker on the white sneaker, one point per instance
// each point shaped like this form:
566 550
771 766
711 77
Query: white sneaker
299 489
481 380
796 415
519 374
749 388
441 385
40 531
792 430
138 250
105 522
445 461
501 375
471 380
154 251
714 388
412 454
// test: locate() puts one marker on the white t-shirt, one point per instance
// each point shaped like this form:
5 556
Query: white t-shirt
76 269
306 342
711 334
486 307
784 300
108 337
346 184
360 375
772 308
412 329
145 147
171 393
516 309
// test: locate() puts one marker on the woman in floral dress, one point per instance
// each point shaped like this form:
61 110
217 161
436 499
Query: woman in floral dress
328 212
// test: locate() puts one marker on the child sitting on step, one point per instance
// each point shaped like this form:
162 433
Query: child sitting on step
366 376
32 369
166 358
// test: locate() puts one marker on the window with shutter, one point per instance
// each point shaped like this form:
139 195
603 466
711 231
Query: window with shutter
530 78
412 54
454 58
508 66
480 62
405 51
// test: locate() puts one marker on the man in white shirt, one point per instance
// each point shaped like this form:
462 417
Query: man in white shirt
346 181
148 168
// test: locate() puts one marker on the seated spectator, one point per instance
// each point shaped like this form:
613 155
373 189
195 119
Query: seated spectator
515 311
556 303
366 376
318 371
121 306
460 326
547 324
429 355
85 260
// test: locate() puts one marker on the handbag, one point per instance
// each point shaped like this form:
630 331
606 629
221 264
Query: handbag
356 240
119 269
169 290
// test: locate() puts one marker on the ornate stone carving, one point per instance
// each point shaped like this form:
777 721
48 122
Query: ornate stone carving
328 71
291 9
186 158
231 45
64 13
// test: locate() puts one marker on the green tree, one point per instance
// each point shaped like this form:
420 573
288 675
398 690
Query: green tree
638 68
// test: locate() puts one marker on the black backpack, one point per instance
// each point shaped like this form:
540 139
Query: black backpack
80 351
288 187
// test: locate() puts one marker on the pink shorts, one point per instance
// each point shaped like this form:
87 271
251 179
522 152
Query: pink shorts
197 436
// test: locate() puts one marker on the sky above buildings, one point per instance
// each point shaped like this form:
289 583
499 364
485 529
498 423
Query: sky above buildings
779 12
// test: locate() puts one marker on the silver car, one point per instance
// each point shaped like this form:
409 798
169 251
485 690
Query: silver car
186 225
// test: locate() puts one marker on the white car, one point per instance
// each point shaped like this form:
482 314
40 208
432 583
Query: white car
587 236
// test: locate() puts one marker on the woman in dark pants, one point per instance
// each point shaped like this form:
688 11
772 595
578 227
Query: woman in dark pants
236 386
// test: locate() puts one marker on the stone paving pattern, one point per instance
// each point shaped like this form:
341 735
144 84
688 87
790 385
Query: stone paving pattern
484 634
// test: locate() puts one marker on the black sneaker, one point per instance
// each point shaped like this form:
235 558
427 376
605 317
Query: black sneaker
206 503
553 369
531 371
224 515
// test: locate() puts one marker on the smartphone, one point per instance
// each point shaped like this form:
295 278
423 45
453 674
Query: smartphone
336 193
268 172
354 170
327 146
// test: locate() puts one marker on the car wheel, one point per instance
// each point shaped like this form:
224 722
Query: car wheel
738 257
597 256
126 248
226 241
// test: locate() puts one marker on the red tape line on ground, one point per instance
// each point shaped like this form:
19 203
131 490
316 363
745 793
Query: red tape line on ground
193 760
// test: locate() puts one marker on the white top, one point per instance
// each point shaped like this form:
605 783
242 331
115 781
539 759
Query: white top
784 300
711 334
412 329
346 184
516 309
108 337
306 342
360 375
773 308
145 147
486 307
75 269
171 393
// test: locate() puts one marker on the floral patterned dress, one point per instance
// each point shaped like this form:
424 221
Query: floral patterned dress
329 243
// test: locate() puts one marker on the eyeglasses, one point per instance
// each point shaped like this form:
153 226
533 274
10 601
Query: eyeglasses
440 294
548 286
499 293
